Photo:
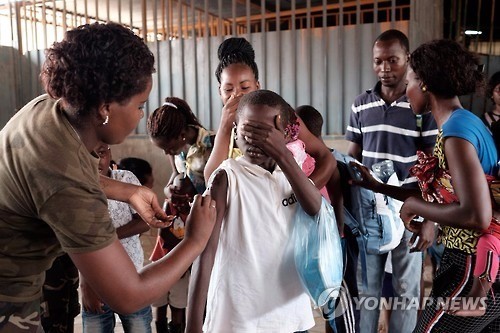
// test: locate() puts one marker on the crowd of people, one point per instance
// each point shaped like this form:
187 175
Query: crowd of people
223 261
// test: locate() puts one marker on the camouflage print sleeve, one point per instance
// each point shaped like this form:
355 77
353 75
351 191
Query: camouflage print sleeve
80 219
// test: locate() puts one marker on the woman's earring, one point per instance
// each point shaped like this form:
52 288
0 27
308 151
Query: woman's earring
106 121
424 88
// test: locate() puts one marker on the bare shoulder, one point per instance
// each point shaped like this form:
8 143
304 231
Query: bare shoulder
219 182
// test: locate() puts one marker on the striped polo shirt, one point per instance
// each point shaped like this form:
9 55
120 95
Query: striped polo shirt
389 131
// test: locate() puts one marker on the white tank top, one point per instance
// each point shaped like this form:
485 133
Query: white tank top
254 286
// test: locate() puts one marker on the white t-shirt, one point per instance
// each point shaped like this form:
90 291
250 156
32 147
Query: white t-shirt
121 214
254 286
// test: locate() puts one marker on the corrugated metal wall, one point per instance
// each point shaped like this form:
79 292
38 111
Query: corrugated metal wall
311 52
304 70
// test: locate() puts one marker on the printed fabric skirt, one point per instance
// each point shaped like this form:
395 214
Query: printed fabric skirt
451 285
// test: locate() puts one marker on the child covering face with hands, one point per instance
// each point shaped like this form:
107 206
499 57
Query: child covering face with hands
247 276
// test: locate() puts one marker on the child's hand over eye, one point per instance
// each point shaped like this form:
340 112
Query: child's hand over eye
268 138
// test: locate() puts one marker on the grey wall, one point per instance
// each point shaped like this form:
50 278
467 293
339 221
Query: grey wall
8 83
18 80
324 67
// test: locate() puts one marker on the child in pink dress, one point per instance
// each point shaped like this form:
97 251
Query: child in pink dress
298 150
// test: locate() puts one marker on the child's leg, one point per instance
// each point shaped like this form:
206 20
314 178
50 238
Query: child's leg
485 271
178 322
178 304
161 321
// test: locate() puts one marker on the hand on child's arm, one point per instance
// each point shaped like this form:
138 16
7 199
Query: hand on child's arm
200 221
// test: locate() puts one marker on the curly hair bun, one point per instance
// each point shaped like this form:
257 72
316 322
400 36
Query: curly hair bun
235 45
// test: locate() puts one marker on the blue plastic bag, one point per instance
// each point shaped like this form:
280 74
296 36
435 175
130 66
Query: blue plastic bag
318 253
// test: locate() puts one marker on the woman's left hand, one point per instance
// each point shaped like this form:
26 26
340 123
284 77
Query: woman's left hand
146 204
406 214
426 235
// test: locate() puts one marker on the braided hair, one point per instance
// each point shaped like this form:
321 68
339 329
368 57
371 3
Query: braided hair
171 118
236 50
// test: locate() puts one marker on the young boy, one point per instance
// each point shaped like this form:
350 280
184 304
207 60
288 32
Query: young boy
254 285
168 238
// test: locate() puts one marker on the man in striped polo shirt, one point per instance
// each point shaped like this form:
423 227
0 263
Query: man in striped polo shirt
383 127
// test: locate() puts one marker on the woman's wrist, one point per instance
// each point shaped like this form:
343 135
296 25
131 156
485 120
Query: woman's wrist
225 128
116 190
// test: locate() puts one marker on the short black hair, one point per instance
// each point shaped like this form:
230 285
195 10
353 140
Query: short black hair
312 118
139 167
271 99
95 64
447 68
393 34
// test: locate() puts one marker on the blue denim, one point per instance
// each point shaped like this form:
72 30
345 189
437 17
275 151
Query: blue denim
435 251
406 275
137 322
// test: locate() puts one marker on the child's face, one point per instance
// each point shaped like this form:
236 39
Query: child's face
104 154
260 113
170 146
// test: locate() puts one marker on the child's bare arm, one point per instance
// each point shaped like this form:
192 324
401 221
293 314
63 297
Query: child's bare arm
335 192
202 267
305 190
325 162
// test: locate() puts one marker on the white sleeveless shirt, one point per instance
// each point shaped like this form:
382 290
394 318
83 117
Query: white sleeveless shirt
254 286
